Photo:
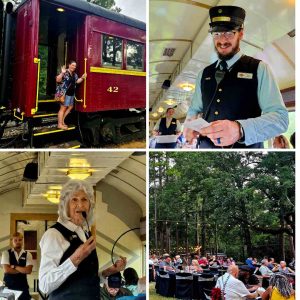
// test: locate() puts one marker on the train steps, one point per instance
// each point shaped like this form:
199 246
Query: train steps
45 134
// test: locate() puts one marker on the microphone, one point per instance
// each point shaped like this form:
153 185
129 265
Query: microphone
85 217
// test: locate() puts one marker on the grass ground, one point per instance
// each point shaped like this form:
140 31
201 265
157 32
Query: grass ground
153 295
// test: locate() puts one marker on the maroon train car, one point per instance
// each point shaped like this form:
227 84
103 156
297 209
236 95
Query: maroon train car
108 46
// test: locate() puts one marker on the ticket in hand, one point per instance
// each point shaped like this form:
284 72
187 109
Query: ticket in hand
196 124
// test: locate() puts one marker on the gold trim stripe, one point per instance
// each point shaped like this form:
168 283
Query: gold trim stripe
116 71
221 19
46 115
46 101
53 131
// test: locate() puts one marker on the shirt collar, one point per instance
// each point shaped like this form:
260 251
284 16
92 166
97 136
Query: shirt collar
74 228
232 60
69 225
21 252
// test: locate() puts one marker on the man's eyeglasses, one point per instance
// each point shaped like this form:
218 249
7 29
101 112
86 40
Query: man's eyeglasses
228 35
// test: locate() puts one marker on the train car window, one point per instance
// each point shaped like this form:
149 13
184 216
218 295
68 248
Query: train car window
111 52
134 56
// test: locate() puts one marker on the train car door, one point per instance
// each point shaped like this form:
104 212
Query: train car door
26 64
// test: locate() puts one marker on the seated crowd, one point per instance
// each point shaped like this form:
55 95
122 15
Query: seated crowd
128 287
251 280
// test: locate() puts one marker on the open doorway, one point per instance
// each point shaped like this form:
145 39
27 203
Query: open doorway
58 32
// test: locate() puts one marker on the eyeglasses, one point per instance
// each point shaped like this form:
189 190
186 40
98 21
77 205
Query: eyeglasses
228 35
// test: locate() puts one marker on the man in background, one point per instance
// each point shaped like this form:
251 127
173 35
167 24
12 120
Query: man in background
17 263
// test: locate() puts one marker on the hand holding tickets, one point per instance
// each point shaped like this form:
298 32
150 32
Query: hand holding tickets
196 124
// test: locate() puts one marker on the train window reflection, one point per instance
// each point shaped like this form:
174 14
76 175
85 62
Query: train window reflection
134 54
111 52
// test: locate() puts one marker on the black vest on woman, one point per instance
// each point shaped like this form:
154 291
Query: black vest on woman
17 281
84 283
236 96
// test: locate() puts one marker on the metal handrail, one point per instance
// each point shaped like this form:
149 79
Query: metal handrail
37 61
84 88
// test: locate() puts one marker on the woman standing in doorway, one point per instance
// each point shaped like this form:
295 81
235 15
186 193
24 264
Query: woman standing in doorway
66 83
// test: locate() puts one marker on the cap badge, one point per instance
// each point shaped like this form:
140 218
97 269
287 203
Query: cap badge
220 11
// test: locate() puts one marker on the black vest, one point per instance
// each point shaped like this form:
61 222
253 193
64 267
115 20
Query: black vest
17 281
235 97
84 283
163 127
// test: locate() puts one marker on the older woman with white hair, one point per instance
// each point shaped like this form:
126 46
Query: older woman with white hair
69 263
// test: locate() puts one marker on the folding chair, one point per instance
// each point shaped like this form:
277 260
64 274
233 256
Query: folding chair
184 286
164 284
151 273
206 283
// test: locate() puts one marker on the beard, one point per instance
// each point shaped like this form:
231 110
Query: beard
229 55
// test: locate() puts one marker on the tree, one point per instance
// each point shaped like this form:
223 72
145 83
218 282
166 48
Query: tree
109 4
240 203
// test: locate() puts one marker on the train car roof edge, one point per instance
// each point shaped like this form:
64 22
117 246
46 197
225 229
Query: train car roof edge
97 10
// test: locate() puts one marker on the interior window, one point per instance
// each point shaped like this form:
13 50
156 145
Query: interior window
111 52
134 55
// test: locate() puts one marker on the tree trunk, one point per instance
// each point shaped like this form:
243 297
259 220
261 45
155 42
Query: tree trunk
203 228
281 237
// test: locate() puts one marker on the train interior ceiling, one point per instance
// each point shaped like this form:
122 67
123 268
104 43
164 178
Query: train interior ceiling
30 184
180 47
57 44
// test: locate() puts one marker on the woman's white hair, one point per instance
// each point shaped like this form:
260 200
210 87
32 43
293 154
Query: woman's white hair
66 194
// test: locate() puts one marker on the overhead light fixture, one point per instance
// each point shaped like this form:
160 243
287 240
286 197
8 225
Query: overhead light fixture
187 86
53 195
60 9
154 115
160 109
170 101
79 173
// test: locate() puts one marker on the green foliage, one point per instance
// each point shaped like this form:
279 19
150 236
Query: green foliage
238 203
43 55
109 4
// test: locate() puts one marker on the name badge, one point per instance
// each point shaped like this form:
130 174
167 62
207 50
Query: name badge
245 75
173 123
207 78
22 258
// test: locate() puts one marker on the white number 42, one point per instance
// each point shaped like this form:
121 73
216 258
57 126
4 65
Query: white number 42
113 89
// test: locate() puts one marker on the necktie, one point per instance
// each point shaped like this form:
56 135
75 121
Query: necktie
224 66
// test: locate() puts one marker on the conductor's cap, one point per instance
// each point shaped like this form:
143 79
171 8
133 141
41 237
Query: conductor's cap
224 18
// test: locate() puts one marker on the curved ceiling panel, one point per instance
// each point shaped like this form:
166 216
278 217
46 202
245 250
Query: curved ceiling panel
125 171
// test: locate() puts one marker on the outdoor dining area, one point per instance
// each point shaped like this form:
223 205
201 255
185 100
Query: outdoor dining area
197 282
186 285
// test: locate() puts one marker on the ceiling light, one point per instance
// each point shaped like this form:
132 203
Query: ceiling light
187 86
79 163
60 9
160 109
154 115
52 196
79 173
170 101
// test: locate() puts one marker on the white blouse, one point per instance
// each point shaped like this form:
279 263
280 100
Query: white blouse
53 246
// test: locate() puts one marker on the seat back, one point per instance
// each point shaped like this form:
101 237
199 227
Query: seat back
205 284
164 284
184 286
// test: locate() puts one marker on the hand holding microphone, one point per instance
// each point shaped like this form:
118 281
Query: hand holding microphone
85 217
83 251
